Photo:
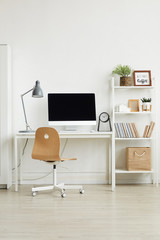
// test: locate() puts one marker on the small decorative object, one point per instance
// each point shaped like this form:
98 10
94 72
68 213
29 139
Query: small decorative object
134 105
146 104
123 72
122 108
104 118
142 78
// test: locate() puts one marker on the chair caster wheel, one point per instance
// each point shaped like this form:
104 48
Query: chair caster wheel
81 191
63 195
34 194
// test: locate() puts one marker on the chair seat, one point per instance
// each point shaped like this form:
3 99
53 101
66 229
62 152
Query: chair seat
52 163
57 162
61 160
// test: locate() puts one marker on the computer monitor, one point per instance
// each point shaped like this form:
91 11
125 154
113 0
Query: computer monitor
72 109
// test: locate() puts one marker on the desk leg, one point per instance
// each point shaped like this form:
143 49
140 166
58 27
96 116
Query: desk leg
113 162
110 160
15 161
20 164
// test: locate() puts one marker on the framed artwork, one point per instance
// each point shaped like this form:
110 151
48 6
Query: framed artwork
142 78
134 105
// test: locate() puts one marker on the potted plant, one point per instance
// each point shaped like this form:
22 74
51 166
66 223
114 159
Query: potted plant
124 72
146 104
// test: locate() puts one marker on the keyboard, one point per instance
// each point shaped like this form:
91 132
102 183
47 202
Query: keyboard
77 132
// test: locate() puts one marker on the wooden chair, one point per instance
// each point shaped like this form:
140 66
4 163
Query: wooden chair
46 148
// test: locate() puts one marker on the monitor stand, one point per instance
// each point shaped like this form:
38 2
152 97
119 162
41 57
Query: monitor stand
76 128
70 128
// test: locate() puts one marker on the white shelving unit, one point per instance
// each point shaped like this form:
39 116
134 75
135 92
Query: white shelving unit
135 117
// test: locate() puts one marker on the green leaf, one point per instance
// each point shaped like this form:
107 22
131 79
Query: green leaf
123 71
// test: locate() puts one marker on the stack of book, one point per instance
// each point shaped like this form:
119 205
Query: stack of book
126 130
148 130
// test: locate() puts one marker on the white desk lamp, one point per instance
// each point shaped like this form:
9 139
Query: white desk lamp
36 93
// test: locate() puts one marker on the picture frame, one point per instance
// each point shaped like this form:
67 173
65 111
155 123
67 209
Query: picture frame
142 78
134 105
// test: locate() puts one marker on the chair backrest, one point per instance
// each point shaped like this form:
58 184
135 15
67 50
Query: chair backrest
46 145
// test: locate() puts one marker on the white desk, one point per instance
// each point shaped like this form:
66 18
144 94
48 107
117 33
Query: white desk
105 135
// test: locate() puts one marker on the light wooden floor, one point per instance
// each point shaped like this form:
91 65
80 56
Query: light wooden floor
131 212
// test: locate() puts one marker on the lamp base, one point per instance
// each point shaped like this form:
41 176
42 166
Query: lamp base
26 131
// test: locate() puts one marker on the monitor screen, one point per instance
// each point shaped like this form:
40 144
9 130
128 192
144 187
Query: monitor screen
71 109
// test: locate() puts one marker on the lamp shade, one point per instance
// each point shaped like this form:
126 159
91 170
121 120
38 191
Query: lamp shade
37 91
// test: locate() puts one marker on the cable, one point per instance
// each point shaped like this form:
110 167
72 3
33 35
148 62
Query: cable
32 179
25 145
64 146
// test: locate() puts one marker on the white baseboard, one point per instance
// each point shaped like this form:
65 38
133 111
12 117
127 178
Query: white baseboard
67 178
3 186
134 181
78 178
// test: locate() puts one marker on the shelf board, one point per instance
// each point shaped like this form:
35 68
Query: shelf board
134 87
126 171
134 139
139 113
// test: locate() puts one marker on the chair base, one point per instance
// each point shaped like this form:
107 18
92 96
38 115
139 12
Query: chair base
59 187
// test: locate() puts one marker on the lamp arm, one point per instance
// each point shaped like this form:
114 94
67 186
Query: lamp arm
27 92
25 117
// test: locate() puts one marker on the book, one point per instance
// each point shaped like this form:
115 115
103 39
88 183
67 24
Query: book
130 133
135 130
145 131
150 129
120 130
131 127
117 130
125 131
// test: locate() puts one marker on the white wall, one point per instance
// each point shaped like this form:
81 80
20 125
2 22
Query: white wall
72 46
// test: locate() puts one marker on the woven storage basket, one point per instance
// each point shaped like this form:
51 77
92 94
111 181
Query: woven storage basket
138 158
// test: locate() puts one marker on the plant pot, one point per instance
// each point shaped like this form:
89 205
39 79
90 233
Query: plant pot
146 107
125 81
